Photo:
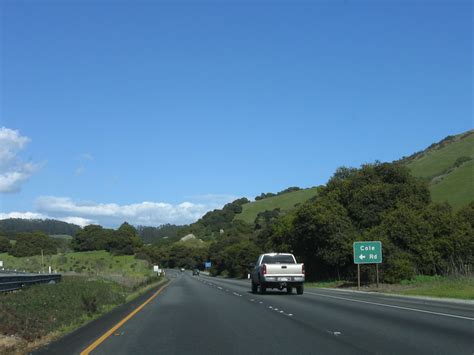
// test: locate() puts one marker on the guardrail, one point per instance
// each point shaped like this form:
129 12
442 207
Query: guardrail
6 271
12 282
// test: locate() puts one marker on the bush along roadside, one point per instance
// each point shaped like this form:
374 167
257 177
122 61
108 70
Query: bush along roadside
49 311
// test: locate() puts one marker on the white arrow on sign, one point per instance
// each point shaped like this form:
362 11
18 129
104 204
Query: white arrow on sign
361 256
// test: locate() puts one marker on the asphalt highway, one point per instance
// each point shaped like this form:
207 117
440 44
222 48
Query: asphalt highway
205 315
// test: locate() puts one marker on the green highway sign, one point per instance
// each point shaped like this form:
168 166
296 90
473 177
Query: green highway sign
367 252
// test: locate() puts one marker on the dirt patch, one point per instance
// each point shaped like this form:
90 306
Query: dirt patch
385 288
13 345
10 344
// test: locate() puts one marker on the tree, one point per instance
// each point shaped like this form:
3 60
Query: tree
152 235
322 235
379 201
235 259
463 240
124 241
4 244
92 237
264 195
28 244
290 189
374 189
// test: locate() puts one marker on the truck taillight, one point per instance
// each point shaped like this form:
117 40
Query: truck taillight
302 269
264 269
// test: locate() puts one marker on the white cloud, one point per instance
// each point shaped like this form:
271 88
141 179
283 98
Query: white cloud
112 214
78 220
35 215
13 171
24 215
10 144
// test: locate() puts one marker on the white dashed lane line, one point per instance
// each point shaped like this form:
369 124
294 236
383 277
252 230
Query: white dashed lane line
280 311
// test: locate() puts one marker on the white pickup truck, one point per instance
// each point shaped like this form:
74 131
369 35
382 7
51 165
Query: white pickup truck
277 270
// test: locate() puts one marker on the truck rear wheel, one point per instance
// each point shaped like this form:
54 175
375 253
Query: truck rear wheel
254 287
300 289
289 289
263 289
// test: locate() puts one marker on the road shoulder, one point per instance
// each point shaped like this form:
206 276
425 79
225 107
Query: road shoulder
79 339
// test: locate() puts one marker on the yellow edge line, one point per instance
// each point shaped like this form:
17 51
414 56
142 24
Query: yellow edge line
99 341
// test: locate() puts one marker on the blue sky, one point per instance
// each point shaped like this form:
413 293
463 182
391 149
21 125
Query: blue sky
157 111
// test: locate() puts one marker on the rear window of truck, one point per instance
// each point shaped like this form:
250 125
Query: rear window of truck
278 259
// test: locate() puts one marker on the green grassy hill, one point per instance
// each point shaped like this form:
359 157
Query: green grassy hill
451 180
285 202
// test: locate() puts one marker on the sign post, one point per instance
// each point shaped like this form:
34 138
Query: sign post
367 253
358 277
377 271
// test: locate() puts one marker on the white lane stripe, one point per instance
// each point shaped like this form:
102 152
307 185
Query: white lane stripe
392 306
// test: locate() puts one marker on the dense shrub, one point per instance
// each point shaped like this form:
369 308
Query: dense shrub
377 202
461 160
398 268
4 244
123 241
28 244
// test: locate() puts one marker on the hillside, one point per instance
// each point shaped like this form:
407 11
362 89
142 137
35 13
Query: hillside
285 202
449 166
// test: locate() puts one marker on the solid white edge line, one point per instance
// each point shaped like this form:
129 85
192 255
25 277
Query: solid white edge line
392 306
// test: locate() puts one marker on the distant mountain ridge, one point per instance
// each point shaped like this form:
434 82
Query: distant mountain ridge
12 226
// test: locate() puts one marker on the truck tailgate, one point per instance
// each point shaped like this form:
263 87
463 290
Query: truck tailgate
284 269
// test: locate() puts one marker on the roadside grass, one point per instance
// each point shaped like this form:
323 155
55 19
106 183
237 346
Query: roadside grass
285 202
152 283
42 313
38 310
440 286
459 287
326 284
98 263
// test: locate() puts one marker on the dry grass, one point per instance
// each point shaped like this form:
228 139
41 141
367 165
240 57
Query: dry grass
13 345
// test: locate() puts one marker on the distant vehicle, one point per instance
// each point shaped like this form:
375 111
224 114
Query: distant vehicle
277 270
182 269
196 272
